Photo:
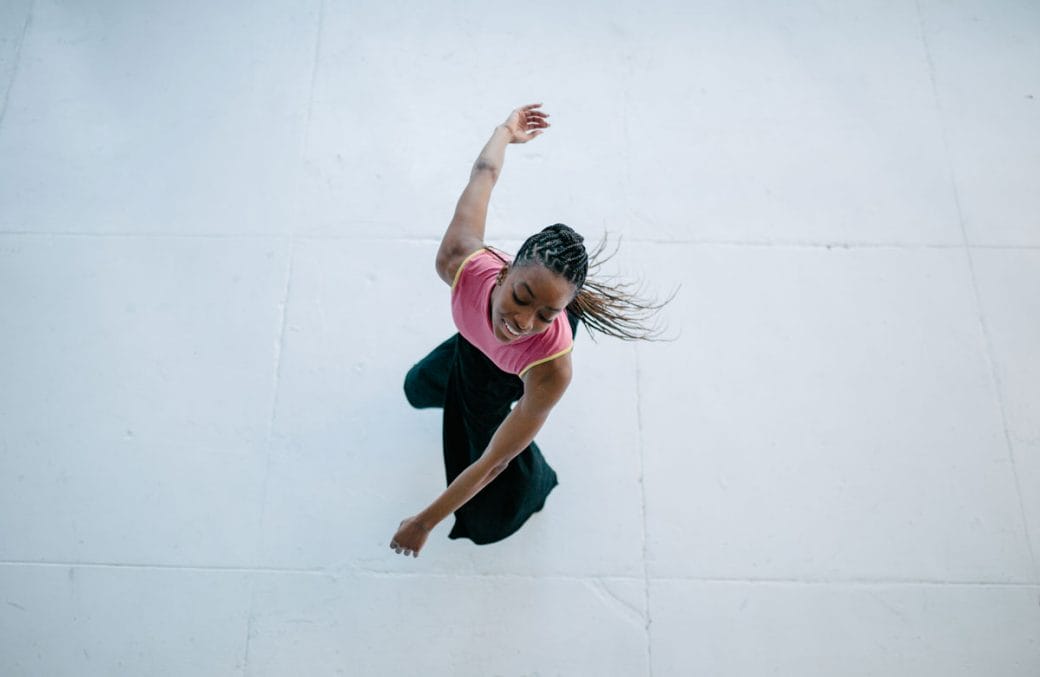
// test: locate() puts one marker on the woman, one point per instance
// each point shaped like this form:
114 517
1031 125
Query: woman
516 321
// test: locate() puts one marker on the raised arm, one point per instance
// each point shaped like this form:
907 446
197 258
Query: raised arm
465 233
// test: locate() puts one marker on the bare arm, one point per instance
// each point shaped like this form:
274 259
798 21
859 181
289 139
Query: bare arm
465 233
544 385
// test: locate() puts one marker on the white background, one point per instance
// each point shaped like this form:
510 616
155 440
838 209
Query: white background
218 224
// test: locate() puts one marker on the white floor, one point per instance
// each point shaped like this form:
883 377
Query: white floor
217 230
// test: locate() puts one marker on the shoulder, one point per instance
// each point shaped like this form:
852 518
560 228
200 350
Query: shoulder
545 383
451 260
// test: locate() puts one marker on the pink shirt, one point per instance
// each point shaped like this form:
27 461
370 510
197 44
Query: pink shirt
471 310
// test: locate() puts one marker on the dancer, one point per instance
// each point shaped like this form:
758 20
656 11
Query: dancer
516 319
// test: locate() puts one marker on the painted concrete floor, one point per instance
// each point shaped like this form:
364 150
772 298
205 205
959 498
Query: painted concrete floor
217 230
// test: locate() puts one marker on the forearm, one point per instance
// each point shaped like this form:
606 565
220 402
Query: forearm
465 233
493 155
464 487
512 437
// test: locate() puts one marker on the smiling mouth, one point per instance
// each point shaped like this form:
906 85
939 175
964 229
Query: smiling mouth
509 330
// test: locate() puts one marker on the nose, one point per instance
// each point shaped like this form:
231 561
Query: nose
523 322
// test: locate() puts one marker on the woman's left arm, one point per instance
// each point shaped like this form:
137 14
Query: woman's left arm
544 385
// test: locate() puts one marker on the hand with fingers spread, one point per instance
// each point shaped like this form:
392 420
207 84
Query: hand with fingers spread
525 123
410 537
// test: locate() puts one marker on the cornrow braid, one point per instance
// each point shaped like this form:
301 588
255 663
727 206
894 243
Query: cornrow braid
559 249
612 309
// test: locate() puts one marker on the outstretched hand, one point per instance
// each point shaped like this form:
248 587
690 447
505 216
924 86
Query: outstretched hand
525 123
410 537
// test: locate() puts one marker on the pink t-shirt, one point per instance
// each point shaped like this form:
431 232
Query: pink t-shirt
471 310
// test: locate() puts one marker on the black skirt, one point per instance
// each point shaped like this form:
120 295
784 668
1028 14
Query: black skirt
476 397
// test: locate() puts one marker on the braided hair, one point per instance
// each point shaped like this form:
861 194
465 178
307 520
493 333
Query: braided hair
559 249
610 309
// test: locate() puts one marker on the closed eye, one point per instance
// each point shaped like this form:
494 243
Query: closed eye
517 301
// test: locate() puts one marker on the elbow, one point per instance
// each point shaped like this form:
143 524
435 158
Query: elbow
483 165
496 471
440 263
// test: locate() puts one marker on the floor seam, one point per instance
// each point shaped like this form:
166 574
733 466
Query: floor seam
278 363
342 572
642 491
314 77
987 343
17 61
353 237
249 627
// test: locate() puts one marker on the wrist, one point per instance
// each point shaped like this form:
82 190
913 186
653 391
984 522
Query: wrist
425 521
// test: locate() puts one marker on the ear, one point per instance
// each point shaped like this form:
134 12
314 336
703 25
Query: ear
502 275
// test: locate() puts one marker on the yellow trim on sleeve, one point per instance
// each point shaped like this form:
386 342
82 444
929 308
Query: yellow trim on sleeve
463 265
547 359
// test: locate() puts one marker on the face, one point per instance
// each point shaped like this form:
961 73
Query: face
527 301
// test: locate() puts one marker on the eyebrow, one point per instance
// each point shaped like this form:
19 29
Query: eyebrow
531 293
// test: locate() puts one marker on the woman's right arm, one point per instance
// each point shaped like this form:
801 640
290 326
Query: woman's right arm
465 233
